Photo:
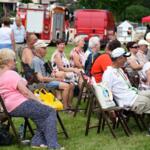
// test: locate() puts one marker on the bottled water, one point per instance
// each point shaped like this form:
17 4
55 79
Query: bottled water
21 131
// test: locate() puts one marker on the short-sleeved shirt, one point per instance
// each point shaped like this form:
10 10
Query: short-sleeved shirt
38 66
120 86
19 33
100 66
5 35
8 90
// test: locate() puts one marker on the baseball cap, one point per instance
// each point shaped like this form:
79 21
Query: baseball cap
148 36
39 44
118 52
143 42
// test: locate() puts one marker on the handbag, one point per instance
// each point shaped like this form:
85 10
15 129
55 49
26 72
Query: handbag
103 95
48 98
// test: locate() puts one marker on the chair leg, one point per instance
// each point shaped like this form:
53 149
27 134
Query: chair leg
137 121
79 100
122 123
108 124
99 123
142 122
62 125
27 124
89 115
14 130
125 123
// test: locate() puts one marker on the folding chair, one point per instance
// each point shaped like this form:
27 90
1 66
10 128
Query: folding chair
103 117
84 90
33 84
7 117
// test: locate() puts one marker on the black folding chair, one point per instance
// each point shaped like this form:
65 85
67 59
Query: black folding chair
83 91
6 116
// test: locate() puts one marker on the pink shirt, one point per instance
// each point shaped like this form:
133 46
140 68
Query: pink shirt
8 90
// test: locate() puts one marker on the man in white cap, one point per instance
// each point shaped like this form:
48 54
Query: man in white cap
142 52
122 90
50 80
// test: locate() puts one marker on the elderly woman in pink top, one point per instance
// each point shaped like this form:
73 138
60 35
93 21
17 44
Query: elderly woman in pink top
21 102
77 56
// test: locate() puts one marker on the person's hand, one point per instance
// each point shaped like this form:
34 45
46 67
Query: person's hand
77 71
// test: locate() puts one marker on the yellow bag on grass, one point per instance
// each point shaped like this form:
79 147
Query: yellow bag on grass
48 99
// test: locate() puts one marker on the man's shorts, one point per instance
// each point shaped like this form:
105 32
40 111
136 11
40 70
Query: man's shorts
53 84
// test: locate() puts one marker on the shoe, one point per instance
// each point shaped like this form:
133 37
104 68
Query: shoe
39 146
25 142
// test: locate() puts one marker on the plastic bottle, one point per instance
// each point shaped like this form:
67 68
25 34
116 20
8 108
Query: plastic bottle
21 131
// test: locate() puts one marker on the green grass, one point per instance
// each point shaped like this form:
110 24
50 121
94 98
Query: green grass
103 141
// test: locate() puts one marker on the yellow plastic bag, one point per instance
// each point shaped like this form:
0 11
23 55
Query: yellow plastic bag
48 99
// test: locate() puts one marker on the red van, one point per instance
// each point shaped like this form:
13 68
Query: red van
93 22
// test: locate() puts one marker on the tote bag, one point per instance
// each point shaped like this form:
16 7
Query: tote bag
103 95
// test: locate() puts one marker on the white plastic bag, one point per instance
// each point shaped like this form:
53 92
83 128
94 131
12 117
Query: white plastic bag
103 94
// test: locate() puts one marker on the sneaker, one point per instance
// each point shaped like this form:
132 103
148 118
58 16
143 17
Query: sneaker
25 142
39 146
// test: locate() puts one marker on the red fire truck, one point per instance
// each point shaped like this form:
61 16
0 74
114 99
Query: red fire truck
48 22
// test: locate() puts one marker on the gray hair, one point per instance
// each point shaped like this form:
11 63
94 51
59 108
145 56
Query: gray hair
93 41
78 39
6 54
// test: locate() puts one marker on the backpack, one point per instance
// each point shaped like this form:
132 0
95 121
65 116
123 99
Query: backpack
29 73
48 67
5 137
89 63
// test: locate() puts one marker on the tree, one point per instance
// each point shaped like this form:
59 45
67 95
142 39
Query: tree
26 1
136 12
90 4
118 7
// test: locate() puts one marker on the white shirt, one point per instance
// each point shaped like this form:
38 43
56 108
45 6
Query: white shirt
19 33
5 35
120 86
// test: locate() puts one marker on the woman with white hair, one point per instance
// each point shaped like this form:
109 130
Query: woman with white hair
21 102
77 56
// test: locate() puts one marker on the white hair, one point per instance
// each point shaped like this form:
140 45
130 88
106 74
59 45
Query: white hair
78 39
6 55
93 41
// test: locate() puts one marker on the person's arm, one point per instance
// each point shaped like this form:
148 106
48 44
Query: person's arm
25 91
45 78
13 40
27 56
60 66
134 65
76 60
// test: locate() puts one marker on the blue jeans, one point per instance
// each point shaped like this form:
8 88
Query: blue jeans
45 119
6 46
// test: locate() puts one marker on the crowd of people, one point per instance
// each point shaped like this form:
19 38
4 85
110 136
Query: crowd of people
116 66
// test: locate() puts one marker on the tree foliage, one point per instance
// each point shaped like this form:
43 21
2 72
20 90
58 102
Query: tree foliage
136 12
90 4
26 1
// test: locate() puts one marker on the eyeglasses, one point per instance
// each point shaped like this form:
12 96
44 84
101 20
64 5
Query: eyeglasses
135 47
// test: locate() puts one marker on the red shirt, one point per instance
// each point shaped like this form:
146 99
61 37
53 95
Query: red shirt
100 66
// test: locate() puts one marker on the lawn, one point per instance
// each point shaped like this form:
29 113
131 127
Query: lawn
103 141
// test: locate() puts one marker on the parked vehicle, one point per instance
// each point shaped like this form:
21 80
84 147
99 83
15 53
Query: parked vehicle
48 22
91 22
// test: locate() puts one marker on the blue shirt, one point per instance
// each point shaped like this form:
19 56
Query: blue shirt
19 33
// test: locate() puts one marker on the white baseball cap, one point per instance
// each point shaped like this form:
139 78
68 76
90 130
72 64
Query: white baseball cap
148 36
118 52
143 42
39 44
